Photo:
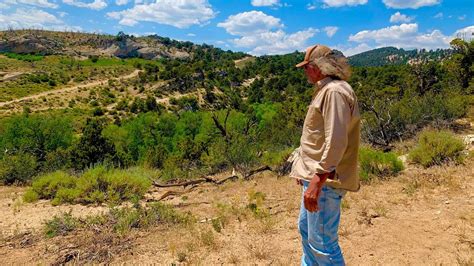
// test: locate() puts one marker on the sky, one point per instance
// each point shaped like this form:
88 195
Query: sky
258 27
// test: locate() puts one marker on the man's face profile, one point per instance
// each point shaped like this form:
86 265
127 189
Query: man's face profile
313 74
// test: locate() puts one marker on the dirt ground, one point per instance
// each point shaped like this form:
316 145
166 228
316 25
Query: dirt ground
421 217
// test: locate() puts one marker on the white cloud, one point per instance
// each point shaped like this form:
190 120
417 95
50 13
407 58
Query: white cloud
265 2
463 17
250 22
406 37
275 42
121 2
96 4
261 34
62 14
330 31
403 36
3 6
39 3
414 4
339 3
466 33
398 17
311 6
363 47
33 18
386 34
439 15
180 14
191 35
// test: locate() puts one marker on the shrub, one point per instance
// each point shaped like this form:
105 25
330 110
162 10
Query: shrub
94 58
40 134
118 220
56 160
276 158
61 225
92 147
97 111
100 184
374 163
30 196
25 57
18 168
437 147
52 83
47 186
124 219
96 185
256 200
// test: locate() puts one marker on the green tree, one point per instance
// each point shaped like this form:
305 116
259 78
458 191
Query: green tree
93 147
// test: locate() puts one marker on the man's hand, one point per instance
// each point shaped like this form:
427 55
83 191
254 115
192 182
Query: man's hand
299 182
313 192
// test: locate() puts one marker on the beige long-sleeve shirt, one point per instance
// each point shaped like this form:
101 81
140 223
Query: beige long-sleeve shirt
331 136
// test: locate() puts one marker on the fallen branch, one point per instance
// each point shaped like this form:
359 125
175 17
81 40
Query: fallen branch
258 170
183 184
207 179
232 178
171 193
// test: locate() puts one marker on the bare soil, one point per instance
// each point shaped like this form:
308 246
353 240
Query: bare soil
421 217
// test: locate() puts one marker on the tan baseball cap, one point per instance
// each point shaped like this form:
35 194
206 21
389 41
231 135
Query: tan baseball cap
314 52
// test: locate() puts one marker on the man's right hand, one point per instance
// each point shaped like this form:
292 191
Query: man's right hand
312 193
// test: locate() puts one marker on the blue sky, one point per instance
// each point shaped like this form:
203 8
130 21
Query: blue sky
258 26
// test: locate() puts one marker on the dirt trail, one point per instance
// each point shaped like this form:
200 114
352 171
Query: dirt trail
6 76
422 217
68 89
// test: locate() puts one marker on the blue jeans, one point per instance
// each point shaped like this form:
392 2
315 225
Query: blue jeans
319 229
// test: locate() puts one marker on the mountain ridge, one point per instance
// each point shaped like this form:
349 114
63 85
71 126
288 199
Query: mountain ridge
397 56
157 47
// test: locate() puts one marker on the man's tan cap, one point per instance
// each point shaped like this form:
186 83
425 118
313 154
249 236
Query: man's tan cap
314 52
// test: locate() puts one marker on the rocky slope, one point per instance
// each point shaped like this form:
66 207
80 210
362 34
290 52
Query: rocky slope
88 44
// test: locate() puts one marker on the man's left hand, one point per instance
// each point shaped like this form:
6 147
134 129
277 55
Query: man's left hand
313 192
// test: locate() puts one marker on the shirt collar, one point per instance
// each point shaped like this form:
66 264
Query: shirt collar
320 84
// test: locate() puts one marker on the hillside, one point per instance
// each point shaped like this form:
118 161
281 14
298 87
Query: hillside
393 56
88 44
48 70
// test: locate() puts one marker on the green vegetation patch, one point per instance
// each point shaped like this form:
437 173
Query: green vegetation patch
436 148
24 57
18 168
374 163
118 220
52 72
96 185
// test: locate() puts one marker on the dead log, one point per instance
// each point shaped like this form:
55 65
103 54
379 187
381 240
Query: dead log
183 184
207 179
258 170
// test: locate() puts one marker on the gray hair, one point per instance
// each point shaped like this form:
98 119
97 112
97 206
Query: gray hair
334 64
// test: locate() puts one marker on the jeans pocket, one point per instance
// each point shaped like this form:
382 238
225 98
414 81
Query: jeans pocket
333 193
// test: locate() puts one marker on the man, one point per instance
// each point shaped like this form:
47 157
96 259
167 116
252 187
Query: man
325 164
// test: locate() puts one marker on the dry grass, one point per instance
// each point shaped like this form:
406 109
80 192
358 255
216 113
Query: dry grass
380 209
208 239
260 249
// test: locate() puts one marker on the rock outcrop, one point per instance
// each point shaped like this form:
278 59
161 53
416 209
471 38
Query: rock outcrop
83 44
